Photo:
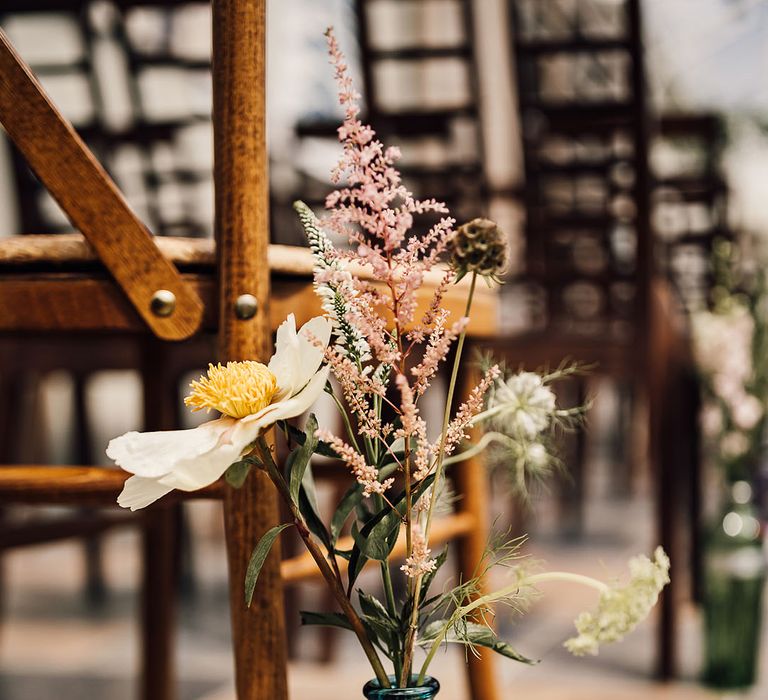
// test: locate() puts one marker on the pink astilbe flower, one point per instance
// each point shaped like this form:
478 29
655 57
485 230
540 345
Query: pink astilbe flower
374 314
357 389
468 410
419 562
435 307
375 211
366 475
440 341
413 426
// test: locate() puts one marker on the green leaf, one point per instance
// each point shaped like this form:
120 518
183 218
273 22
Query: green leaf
377 615
331 619
357 561
303 456
257 559
428 578
377 543
343 553
322 448
346 505
471 634
387 534
351 500
308 484
312 519
237 473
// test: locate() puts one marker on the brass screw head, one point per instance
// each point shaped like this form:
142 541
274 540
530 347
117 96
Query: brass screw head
246 306
163 303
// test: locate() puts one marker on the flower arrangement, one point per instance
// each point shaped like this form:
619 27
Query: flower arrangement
730 342
384 353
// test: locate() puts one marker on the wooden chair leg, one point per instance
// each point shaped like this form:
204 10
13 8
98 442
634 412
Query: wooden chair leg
159 607
95 583
242 237
471 481
160 538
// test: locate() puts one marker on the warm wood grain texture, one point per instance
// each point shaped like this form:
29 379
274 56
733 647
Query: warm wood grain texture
470 478
159 540
74 486
288 265
303 567
242 237
68 249
54 529
79 302
90 199
71 301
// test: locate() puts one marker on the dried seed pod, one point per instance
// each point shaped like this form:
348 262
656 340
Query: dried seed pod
479 246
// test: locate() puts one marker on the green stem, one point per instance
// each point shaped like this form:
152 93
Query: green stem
502 593
347 423
410 639
392 609
448 405
476 449
325 569
566 577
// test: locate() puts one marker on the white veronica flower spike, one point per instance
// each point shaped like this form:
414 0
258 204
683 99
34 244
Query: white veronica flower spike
250 396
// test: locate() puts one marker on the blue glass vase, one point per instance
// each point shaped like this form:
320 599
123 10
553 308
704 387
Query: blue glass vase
426 691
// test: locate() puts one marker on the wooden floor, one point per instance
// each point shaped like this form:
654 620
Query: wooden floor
53 645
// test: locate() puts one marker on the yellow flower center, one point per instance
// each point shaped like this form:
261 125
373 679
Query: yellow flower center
240 389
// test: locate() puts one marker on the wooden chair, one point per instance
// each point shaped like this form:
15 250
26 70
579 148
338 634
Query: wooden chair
114 278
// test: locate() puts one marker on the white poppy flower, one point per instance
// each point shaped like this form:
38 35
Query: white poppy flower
250 396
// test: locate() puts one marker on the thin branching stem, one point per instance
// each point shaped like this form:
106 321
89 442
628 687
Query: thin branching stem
463 611
410 638
334 581
347 422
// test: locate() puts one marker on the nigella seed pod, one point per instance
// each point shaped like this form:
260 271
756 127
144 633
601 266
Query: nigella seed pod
478 246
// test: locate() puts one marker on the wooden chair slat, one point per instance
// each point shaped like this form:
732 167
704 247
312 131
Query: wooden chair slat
30 484
90 198
68 301
62 528
78 302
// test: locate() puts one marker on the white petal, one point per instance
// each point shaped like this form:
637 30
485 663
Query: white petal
285 363
157 453
139 492
310 356
202 470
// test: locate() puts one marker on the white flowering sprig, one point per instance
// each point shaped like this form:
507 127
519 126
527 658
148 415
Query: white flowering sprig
620 608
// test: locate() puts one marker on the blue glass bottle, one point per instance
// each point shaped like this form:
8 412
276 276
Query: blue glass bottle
429 688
